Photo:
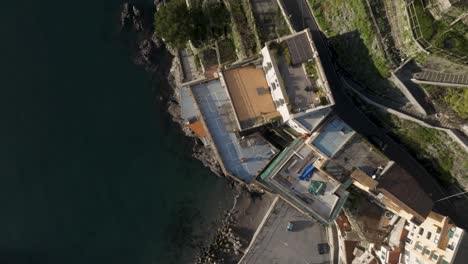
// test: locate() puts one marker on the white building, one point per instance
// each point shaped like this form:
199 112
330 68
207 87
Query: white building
435 241
297 81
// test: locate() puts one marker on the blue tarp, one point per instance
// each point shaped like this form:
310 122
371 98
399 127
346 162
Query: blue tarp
307 173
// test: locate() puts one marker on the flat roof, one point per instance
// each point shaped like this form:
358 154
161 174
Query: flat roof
198 128
356 153
311 120
250 96
275 244
404 187
187 104
333 136
300 88
316 192
242 157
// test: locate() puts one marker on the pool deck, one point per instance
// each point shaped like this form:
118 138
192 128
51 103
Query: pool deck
242 157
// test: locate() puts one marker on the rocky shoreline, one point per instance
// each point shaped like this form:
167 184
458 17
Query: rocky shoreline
137 20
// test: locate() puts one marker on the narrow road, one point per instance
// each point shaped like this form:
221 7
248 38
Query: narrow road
301 18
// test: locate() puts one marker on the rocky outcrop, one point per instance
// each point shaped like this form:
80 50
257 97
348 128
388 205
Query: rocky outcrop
131 15
149 48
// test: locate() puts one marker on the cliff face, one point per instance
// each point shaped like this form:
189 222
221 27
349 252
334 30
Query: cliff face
156 57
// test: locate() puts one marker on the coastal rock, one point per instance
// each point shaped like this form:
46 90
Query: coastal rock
130 14
125 15
156 40
137 23
148 45
136 11
158 4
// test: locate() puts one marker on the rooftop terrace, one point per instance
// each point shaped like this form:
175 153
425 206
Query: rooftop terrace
293 174
298 67
242 157
250 96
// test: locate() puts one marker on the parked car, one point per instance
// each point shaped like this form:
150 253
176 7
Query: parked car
290 226
323 248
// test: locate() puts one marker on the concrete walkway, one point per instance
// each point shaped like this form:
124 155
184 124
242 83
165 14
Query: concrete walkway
441 79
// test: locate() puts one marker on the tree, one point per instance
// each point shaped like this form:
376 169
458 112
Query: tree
177 24
173 23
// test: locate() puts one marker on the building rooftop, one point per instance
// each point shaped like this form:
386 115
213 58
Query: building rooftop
364 179
311 120
293 174
198 129
399 183
332 136
250 95
296 68
242 157
300 48
357 153
301 89
187 104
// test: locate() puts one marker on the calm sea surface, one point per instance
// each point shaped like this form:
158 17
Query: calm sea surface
91 168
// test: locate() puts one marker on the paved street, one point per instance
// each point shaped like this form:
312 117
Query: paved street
275 244
301 18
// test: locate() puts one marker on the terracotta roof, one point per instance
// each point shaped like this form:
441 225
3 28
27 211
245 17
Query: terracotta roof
364 179
343 223
394 256
404 189
349 249
198 128
404 234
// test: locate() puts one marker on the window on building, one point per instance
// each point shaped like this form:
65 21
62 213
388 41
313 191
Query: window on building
444 262
407 223
419 247
273 86
435 256
451 246
428 236
438 230
421 231
427 252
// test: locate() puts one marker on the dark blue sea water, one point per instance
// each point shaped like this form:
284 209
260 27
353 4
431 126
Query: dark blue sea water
91 168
